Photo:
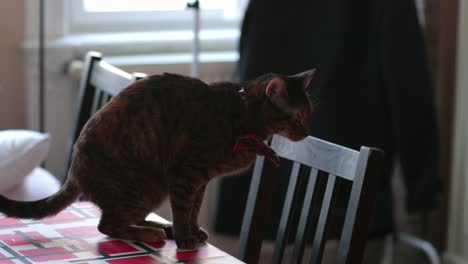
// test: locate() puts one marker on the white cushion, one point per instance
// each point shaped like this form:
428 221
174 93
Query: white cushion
20 152
39 184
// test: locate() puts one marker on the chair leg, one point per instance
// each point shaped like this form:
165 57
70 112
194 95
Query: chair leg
389 250
425 246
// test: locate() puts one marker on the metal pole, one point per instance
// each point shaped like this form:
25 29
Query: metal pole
196 38
41 66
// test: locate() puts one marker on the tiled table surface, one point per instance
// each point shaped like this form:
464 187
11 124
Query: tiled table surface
72 237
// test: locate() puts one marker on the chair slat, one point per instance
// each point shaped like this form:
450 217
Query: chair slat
288 210
352 241
97 98
304 219
104 99
256 213
320 233
110 79
319 154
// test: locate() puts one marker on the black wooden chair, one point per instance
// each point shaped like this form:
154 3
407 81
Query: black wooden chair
99 82
362 168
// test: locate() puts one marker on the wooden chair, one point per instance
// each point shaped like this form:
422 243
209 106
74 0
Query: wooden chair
363 168
99 82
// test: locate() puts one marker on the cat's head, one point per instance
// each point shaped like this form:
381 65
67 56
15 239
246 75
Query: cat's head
290 104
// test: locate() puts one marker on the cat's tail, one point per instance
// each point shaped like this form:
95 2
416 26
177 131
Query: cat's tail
42 208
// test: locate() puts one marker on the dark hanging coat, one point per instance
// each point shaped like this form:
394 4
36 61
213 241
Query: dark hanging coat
373 88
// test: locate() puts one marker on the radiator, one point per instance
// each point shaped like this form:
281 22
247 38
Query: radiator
214 66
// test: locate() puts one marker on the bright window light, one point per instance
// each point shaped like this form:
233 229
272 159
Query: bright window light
146 5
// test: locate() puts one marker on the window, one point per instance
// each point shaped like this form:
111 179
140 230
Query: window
145 5
91 16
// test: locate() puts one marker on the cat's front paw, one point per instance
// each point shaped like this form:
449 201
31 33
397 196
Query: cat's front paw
189 242
200 233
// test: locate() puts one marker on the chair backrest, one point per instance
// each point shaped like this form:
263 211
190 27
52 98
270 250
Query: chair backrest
99 82
363 168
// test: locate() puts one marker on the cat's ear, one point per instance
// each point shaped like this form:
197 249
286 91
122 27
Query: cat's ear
306 77
276 88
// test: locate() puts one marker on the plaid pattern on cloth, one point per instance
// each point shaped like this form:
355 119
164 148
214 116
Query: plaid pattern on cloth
72 237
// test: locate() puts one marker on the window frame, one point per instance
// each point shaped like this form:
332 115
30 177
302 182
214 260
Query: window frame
81 21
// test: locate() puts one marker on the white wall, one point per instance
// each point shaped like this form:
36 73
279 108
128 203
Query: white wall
457 246
12 114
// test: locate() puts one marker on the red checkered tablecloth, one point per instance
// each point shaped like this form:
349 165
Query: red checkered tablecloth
72 237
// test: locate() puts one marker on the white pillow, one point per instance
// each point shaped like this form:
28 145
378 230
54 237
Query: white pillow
28 189
20 152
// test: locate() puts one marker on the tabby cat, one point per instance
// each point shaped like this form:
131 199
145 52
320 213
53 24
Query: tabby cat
168 135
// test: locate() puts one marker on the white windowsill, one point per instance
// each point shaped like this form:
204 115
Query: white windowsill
176 58
161 42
